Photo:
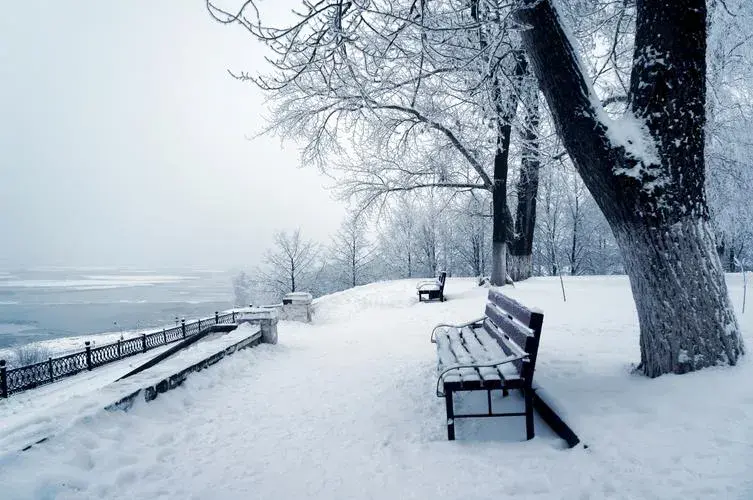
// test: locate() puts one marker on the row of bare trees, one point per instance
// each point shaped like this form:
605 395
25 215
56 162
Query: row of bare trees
418 236
398 96
389 98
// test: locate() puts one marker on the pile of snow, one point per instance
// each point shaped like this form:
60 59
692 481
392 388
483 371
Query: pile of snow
344 407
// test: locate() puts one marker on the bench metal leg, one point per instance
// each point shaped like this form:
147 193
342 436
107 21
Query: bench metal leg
528 394
450 415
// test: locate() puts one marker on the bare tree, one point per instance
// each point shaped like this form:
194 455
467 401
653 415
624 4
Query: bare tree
428 246
351 251
292 265
242 289
576 203
550 224
471 235
389 97
730 118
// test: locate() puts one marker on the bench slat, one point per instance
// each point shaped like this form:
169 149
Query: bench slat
515 308
507 371
448 356
490 344
518 333
480 354
473 346
463 357
509 347
503 340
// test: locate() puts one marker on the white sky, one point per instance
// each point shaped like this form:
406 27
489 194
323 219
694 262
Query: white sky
123 140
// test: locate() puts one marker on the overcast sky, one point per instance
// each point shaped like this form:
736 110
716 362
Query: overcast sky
124 142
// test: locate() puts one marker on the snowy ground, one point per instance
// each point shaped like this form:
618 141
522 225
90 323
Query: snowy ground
345 408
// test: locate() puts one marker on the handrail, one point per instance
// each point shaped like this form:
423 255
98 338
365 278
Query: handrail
45 372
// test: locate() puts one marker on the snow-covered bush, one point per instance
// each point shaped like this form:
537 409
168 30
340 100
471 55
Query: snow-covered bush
29 354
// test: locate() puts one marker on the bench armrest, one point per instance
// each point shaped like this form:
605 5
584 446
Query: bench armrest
488 364
476 321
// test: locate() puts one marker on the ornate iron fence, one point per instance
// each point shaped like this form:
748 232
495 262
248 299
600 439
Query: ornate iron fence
30 376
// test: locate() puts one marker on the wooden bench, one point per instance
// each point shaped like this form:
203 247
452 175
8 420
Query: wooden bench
432 289
495 352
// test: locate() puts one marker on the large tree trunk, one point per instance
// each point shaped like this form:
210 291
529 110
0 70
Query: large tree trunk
500 216
647 175
520 262
677 290
501 219
502 224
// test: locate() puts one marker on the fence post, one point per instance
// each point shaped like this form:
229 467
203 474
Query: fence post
143 342
233 316
199 324
88 355
119 354
49 367
216 318
183 326
164 336
3 380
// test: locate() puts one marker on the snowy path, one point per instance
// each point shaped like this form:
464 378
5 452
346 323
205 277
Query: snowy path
345 408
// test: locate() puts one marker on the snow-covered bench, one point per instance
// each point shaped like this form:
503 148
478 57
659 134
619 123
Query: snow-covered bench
432 289
495 352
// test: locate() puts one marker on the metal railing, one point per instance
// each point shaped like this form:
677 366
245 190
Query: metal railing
45 372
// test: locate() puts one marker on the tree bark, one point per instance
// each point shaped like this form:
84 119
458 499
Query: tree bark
520 260
654 201
519 266
677 290
500 212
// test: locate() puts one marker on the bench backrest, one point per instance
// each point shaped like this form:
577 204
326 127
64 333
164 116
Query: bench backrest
516 329
441 279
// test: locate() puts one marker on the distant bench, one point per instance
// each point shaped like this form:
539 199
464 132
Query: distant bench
495 352
432 289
